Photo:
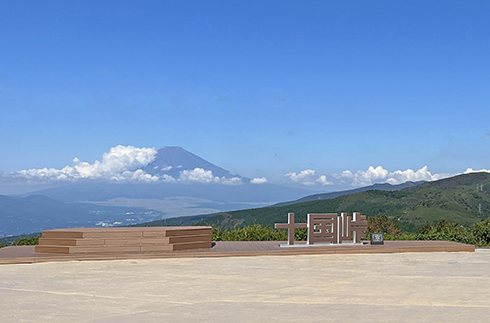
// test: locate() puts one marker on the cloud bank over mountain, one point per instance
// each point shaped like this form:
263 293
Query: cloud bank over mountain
201 175
471 170
368 177
379 174
307 177
123 164
258 180
128 164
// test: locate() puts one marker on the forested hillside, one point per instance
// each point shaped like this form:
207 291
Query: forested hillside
464 199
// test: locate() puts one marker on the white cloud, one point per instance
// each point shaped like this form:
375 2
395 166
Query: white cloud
121 163
230 181
197 175
167 178
471 170
201 175
307 177
368 177
380 175
362 178
138 176
323 180
398 177
304 177
258 180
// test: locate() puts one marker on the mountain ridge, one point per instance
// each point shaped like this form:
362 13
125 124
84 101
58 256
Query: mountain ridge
452 199
331 195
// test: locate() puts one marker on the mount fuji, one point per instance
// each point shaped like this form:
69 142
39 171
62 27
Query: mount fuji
172 160
190 186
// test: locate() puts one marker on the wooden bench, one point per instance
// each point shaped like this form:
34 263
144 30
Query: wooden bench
123 239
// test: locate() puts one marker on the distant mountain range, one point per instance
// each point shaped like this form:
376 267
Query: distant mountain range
463 198
326 196
34 213
91 203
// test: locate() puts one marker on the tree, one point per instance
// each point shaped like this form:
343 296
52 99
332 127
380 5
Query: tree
383 224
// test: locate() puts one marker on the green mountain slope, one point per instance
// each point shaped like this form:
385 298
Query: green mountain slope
453 199
331 195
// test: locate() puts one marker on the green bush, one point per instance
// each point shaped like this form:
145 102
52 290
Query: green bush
31 241
481 233
25 241
254 232
443 230
299 234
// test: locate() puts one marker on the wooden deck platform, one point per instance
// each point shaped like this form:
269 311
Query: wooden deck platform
27 254
123 239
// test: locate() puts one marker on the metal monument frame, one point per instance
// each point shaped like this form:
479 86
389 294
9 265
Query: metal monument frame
328 228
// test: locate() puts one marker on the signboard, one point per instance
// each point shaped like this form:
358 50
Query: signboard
377 238
328 228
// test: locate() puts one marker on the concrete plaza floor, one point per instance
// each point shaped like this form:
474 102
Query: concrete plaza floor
405 287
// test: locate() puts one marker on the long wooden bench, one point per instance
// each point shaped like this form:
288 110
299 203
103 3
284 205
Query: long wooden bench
122 239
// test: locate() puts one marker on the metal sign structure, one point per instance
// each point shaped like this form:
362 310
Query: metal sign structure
328 228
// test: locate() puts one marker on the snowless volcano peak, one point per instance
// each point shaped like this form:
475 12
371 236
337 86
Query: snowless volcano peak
173 160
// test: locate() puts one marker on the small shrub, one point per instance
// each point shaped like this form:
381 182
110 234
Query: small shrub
31 241
299 234
407 236
481 233
254 232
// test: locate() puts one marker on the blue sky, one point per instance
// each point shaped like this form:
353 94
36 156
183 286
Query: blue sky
261 88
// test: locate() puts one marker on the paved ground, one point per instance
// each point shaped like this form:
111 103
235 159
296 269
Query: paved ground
410 287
